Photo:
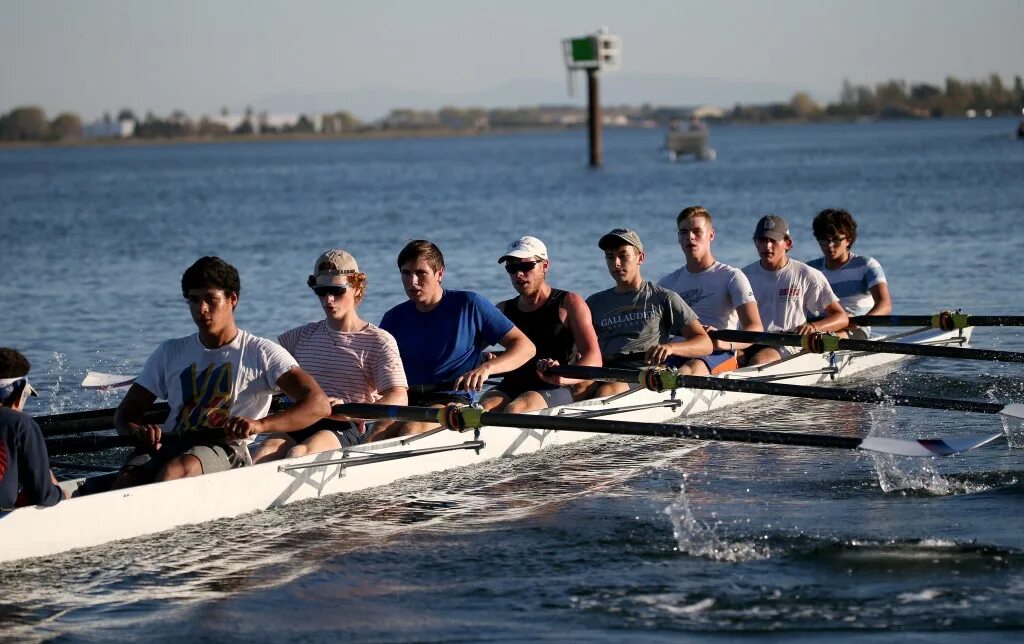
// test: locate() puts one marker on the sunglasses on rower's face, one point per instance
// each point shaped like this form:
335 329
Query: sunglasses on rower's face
519 267
831 241
324 291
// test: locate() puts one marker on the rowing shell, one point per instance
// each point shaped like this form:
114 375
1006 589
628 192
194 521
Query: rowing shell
94 519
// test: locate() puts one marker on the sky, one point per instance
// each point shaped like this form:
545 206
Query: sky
368 56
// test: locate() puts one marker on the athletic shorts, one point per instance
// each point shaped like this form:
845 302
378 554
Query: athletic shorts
213 457
720 361
553 395
346 432
429 398
785 352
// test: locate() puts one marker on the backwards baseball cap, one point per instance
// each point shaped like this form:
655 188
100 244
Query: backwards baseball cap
332 269
617 237
7 386
524 248
772 227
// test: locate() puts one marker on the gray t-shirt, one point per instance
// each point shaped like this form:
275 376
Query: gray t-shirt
636 321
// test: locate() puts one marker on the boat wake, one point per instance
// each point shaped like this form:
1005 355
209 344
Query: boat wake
918 584
198 563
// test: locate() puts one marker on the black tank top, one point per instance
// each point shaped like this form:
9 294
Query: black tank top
545 329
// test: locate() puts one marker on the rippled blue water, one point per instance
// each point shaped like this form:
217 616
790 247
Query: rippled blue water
595 541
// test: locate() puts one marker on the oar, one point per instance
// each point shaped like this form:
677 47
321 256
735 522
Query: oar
94 420
946 320
100 380
460 418
658 379
82 444
823 343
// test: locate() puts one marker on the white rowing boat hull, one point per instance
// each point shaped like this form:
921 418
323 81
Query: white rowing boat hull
100 518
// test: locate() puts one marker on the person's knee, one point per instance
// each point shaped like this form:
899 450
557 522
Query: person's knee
272 449
694 368
611 388
298 450
495 403
529 401
181 467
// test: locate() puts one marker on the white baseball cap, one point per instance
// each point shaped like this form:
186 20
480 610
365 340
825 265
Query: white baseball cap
524 248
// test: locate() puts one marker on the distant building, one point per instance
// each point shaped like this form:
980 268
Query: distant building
265 122
709 112
109 129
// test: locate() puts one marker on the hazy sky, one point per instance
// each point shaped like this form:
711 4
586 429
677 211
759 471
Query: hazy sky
368 56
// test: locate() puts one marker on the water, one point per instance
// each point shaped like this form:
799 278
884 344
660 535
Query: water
612 539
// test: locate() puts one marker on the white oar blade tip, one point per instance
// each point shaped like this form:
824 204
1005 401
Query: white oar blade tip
97 380
1014 409
926 447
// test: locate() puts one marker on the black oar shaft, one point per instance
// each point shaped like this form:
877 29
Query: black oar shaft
92 421
83 444
874 346
750 386
929 320
566 423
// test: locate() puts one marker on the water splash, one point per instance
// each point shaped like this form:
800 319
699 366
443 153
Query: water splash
1013 428
694 537
58 401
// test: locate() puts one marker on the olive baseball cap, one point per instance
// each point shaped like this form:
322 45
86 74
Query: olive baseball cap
619 236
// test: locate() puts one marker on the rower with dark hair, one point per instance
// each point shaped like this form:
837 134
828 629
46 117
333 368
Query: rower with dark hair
857 281
220 378
25 477
441 336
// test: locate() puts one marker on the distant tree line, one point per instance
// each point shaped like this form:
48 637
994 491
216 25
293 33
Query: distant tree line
889 99
30 124
897 99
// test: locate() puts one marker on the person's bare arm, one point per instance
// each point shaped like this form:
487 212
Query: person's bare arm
750 320
518 349
310 406
835 319
128 418
883 303
581 324
693 343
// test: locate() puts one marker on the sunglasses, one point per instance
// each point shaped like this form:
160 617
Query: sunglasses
520 267
324 291
831 241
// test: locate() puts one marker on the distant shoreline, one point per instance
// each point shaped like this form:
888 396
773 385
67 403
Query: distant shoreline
370 135
425 133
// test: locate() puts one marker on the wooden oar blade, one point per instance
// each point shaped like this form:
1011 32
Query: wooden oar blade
99 380
926 446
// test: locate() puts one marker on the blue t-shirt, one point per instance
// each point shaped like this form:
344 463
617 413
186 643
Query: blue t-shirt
24 463
440 345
